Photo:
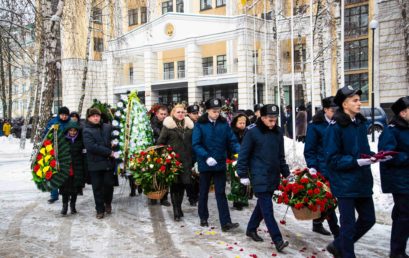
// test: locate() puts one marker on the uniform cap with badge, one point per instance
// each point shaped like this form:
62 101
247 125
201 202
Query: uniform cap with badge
269 109
213 103
193 109
400 104
344 93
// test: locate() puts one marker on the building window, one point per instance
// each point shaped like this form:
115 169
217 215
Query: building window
207 64
267 16
300 9
168 71
181 69
205 4
98 44
131 74
220 3
355 1
179 6
169 97
167 6
356 21
358 81
97 15
356 54
132 17
225 92
143 15
221 64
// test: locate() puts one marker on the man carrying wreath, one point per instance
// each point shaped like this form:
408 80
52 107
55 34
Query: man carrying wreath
262 153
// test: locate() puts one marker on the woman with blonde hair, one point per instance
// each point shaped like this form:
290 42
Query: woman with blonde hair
177 132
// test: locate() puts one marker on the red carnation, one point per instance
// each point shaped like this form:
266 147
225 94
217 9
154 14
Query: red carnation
310 192
306 199
39 157
36 168
169 148
53 163
168 161
285 181
162 168
314 176
298 206
304 180
317 191
52 152
319 184
177 155
47 142
328 195
159 160
279 199
283 222
178 163
48 175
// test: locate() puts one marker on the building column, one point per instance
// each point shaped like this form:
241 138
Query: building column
151 66
113 69
245 72
268 65
193 67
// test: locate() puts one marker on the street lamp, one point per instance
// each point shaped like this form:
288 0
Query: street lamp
373 25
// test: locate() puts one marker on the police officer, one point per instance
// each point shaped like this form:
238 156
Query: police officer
262 153
193 189
349 174
314 156
395 174
211 137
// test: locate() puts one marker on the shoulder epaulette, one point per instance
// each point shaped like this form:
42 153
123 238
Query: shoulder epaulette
333 122
391 125
251 126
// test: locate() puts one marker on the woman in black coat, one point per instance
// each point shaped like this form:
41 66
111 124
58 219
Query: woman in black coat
177 132
75 182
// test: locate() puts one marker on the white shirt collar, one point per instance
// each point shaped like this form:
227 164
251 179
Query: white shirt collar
326 118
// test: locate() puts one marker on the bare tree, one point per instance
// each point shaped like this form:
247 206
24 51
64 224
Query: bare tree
2 79
404 5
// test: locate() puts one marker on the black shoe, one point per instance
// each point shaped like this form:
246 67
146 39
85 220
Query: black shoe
165 203
152 202
253 235
192 203
132 194
64 209
398 256
230 226
203 223
176 218
333 250
139 190
319 228
280 245
52 201
238 206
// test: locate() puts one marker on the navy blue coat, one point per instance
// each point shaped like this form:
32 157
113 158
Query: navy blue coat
395 173
314 143
347 140
56 120
262 153
214 141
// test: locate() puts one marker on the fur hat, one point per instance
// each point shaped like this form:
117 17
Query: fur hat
93 111
63 110
400 104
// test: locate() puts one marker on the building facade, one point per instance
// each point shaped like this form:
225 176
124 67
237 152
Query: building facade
185 50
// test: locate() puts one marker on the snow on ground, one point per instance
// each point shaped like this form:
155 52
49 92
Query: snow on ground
30 227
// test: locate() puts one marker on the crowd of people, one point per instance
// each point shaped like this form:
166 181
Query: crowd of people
336 145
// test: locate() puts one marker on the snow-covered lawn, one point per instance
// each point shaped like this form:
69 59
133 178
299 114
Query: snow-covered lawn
30 227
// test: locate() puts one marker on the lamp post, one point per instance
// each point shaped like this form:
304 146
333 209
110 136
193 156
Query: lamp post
373 25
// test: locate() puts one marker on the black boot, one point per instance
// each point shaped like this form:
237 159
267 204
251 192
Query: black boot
180 201
175 206
319 228
132 186
72 203
64 208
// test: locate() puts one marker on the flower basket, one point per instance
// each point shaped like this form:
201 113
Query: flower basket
155 169
306 214
308 195
157 195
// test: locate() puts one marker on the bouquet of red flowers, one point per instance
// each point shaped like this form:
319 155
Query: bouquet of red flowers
308 193
155 168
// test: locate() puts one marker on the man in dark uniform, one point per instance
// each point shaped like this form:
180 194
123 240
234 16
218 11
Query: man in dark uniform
211 139
193 189
262 153
349 174
395 174
314 156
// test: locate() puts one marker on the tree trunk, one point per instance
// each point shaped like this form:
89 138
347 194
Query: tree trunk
3 80
10 77
303 81
52 26
405 30
85 71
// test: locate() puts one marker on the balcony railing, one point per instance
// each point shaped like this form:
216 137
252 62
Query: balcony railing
221 69
207 70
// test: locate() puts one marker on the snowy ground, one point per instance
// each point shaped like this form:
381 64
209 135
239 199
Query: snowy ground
30 227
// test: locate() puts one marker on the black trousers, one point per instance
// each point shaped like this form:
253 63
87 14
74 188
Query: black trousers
103 188
400 224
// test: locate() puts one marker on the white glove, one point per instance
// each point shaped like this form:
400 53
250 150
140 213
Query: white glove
211 162
386 158
245 181
313 171
364 162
